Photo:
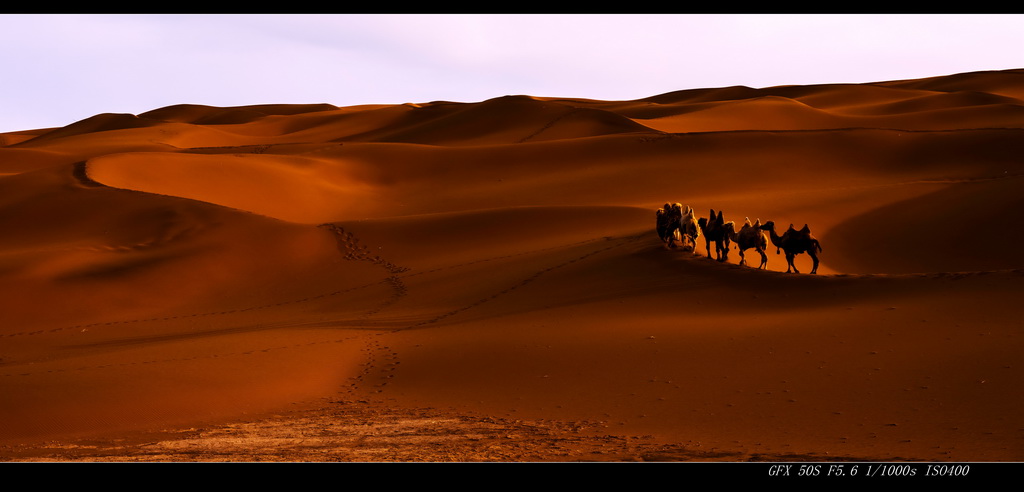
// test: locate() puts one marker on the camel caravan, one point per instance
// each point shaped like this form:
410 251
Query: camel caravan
676 224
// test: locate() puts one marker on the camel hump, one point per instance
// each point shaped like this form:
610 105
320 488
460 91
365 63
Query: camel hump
806 230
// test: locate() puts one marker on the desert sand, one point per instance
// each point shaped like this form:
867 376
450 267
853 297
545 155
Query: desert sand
482 281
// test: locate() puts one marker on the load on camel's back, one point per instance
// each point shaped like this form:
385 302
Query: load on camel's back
749 236
667 220
674 222
714 230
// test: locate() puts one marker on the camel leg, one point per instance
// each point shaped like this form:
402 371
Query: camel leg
707 244
743 258
814 257
789 259
764 259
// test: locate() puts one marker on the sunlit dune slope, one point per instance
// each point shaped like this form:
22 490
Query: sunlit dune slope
84 251
290 188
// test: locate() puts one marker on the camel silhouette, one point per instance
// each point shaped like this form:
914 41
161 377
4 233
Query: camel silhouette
714 231
794 242
667 222
749 236
689 229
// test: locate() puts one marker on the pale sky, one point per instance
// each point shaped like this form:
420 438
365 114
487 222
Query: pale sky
62 68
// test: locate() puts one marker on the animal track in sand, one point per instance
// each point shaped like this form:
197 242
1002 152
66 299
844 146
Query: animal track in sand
352 249
381 362
219 355
346 242
85 326
527 280
549 124
376 355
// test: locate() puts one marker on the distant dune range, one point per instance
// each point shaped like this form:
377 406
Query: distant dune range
197 264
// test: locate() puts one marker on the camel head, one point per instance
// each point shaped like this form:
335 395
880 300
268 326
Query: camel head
776 240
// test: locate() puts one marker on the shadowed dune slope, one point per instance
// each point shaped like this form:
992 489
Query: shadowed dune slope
197 265
503 120
965 226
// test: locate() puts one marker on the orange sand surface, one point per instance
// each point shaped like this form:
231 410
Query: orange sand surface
483 281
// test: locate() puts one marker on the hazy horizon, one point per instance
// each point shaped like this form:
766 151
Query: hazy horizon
66 67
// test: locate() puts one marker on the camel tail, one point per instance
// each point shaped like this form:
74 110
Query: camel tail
817 245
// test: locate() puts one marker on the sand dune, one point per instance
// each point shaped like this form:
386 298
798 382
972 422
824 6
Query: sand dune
195 266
